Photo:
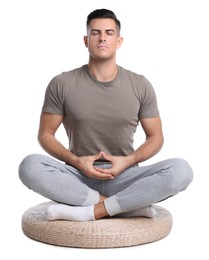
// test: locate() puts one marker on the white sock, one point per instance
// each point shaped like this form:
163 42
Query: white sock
66 212
148 212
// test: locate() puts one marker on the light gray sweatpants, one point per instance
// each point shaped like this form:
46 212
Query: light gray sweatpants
135 188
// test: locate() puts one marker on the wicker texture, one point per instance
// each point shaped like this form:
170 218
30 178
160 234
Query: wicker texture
103 233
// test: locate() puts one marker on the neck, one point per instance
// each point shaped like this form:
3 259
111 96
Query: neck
103 71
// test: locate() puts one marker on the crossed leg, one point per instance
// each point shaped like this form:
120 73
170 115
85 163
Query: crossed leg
131 194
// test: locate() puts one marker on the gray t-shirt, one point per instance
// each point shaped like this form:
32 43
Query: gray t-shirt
100 116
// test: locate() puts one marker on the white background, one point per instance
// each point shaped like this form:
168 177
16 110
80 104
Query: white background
167 41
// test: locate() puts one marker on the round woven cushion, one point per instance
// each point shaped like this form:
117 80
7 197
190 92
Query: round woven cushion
103 233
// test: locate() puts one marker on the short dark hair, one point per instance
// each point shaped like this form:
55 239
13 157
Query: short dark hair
103 13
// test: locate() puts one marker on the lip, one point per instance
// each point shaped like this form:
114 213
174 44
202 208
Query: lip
102 47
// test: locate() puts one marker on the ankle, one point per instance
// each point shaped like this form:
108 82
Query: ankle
100 210
102 198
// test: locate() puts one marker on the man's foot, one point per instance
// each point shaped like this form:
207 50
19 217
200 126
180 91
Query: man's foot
148 212
74 213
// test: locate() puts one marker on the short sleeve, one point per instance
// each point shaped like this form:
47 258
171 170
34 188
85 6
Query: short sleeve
148 101
54 96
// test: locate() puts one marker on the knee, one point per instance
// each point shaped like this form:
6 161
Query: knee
182 173
27 167
185 170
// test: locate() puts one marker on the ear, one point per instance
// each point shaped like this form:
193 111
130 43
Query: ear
85 39
120 42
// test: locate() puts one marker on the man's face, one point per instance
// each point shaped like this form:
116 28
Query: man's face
102 38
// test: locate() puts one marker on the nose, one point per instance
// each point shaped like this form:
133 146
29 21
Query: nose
102 37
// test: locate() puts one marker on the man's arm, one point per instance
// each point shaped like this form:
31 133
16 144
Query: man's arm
154 140
49 123
152 145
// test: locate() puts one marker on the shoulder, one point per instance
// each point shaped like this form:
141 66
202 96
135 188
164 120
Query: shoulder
138 81
75 72
135 77
68 75
61 83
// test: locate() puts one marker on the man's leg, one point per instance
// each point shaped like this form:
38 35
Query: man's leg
63 210
133 192
140 187
65 185
57 181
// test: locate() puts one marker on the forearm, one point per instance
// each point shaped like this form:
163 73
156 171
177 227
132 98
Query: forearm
53 147
147 150
84 163
120 163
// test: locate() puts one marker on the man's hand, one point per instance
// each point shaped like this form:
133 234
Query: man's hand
119 164
85 164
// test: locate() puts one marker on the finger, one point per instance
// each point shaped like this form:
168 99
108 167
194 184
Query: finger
109 171
107 156
102 176
97 156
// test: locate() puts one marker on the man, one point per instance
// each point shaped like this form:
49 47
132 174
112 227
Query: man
100 105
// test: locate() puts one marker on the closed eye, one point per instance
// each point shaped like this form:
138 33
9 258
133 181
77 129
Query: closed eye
95 32
110 32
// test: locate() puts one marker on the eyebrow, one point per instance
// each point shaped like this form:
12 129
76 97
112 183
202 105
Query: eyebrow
106 30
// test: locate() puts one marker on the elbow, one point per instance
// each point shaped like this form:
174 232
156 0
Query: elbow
160 141
41 137
45 139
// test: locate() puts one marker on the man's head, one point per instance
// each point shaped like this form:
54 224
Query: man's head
101 14
103 34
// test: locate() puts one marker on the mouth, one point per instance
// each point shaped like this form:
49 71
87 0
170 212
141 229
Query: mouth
102 47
